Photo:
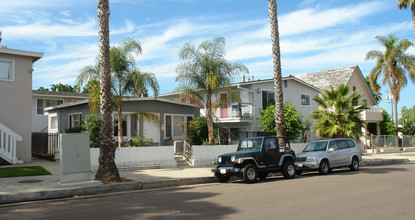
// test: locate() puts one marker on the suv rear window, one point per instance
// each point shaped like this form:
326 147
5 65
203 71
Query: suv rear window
350 143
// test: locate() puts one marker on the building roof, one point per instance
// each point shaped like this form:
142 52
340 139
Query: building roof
323 79
59 94
35 55
131 99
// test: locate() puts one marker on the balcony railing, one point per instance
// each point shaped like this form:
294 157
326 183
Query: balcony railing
236 111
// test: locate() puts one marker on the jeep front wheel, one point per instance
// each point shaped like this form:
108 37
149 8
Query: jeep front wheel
250 174
288 170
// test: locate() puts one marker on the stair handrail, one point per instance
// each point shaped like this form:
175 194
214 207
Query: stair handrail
188 151
8 152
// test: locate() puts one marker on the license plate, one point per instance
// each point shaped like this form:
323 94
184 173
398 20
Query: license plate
223 171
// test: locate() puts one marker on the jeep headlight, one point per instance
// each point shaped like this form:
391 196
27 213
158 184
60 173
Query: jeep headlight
311 159
233 158
220 159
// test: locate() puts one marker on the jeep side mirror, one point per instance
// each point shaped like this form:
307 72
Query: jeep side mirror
331 150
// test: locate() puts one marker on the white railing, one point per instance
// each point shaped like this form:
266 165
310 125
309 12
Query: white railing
375 109
8 139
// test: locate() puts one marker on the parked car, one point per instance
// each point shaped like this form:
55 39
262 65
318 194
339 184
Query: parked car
324 155
256 157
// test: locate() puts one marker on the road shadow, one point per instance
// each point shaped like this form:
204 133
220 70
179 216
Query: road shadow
174 203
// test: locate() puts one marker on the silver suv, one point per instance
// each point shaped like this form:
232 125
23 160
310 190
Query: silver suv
324 155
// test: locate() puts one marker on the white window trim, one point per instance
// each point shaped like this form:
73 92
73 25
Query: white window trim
164 124
69 118
301 101
50 122
127 135
11 79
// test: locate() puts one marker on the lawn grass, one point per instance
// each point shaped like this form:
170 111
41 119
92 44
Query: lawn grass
23 171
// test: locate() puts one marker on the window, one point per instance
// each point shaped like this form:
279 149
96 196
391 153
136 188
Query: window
285 83
6 69
75 120
43 103
341 144
305 99
267 99
123 124
54 122
354 88
175 125
270 143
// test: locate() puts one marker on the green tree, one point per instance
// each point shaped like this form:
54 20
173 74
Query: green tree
386 126
337 116
407 120
293 124
276 54
205 71
393 65
107 171
62 88
405 4
126 78
43 89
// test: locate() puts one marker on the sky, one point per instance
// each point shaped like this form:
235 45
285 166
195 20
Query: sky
314 34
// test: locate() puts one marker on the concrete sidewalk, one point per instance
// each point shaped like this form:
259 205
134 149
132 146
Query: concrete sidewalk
19 189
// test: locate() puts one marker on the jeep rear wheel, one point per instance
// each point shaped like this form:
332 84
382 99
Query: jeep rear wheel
324 168
222 178
288 170
250 174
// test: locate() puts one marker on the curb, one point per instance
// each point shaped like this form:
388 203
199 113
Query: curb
91 190
379 162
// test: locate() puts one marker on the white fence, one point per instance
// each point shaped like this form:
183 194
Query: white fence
127 157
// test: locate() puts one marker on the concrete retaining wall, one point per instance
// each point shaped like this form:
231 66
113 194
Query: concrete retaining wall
204 155
127 157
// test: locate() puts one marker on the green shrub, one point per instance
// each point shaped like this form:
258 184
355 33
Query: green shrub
137 141
90 124
73 130
198 131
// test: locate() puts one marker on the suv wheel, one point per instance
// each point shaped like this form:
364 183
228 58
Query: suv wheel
250 174
222 178
324 168
288 169
355 164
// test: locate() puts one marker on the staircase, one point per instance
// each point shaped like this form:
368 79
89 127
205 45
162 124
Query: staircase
181 162
8 139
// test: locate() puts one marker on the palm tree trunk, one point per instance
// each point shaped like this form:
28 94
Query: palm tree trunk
413 17
279 101
107 170
209 118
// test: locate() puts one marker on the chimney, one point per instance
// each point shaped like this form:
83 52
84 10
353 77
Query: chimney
243 77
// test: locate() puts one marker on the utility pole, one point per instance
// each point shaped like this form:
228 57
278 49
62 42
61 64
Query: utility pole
390 98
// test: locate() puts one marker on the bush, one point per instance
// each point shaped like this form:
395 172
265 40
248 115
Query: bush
386 126
137 141
292 120
198 131
73 130
91 125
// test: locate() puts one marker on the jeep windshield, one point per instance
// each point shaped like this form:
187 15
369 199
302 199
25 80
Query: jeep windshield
316 146
250 144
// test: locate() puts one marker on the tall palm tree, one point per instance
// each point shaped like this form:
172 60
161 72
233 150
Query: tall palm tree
404 4
107 170
126 78
204 71
337 116
279 101
393 64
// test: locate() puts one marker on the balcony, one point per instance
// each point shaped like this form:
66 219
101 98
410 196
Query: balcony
237 112
373 114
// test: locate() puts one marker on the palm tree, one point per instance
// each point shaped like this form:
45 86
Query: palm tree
404 4
374 87
337 116
126 78
204 71
393 65
279 101
107 170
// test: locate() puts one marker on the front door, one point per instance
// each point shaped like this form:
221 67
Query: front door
224 105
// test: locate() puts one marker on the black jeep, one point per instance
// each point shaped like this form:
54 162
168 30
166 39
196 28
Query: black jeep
256 157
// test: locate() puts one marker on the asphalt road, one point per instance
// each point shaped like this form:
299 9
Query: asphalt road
382 192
